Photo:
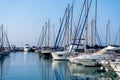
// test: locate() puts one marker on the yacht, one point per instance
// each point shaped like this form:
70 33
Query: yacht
93 59
63 55
26 48
60 55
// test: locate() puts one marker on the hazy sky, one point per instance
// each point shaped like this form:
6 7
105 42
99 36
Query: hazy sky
23 19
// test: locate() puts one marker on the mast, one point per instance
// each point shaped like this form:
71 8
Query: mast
45 30
68 35
82 27
59 32
49 33
77 29
43 37
86 26
65 30
95 21
53 32
71 22
108 33
92 32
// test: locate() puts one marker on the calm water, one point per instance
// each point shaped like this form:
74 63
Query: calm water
31 66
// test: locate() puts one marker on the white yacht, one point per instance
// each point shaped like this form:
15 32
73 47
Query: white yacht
60 55
63 55
93 59
26 48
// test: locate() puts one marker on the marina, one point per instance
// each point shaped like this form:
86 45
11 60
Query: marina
76 47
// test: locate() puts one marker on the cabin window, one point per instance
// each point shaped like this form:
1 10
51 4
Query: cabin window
93 60
60 55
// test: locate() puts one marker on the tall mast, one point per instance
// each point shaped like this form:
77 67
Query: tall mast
43 37
66 32
108 33
45 30
49 33
92 32
95 21
86 25
71 22
53 32
68 35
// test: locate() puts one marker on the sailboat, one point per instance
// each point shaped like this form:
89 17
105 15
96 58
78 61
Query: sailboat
81 25
63 55
4 42
64 36
46 50
43 45
88 58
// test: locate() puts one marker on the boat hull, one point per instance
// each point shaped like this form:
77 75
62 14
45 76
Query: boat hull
60 55
91 59
46 53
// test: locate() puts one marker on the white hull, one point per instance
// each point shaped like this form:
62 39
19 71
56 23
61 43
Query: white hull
26 49
90 62
93 59
116 67
60 55
45 51
82 59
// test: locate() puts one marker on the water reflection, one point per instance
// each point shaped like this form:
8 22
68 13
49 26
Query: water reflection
64 70
67 71
45 68
4 66
85 73
32 66
60 70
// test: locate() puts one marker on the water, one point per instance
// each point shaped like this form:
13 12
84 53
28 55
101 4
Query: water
31 66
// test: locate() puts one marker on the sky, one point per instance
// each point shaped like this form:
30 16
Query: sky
23 19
